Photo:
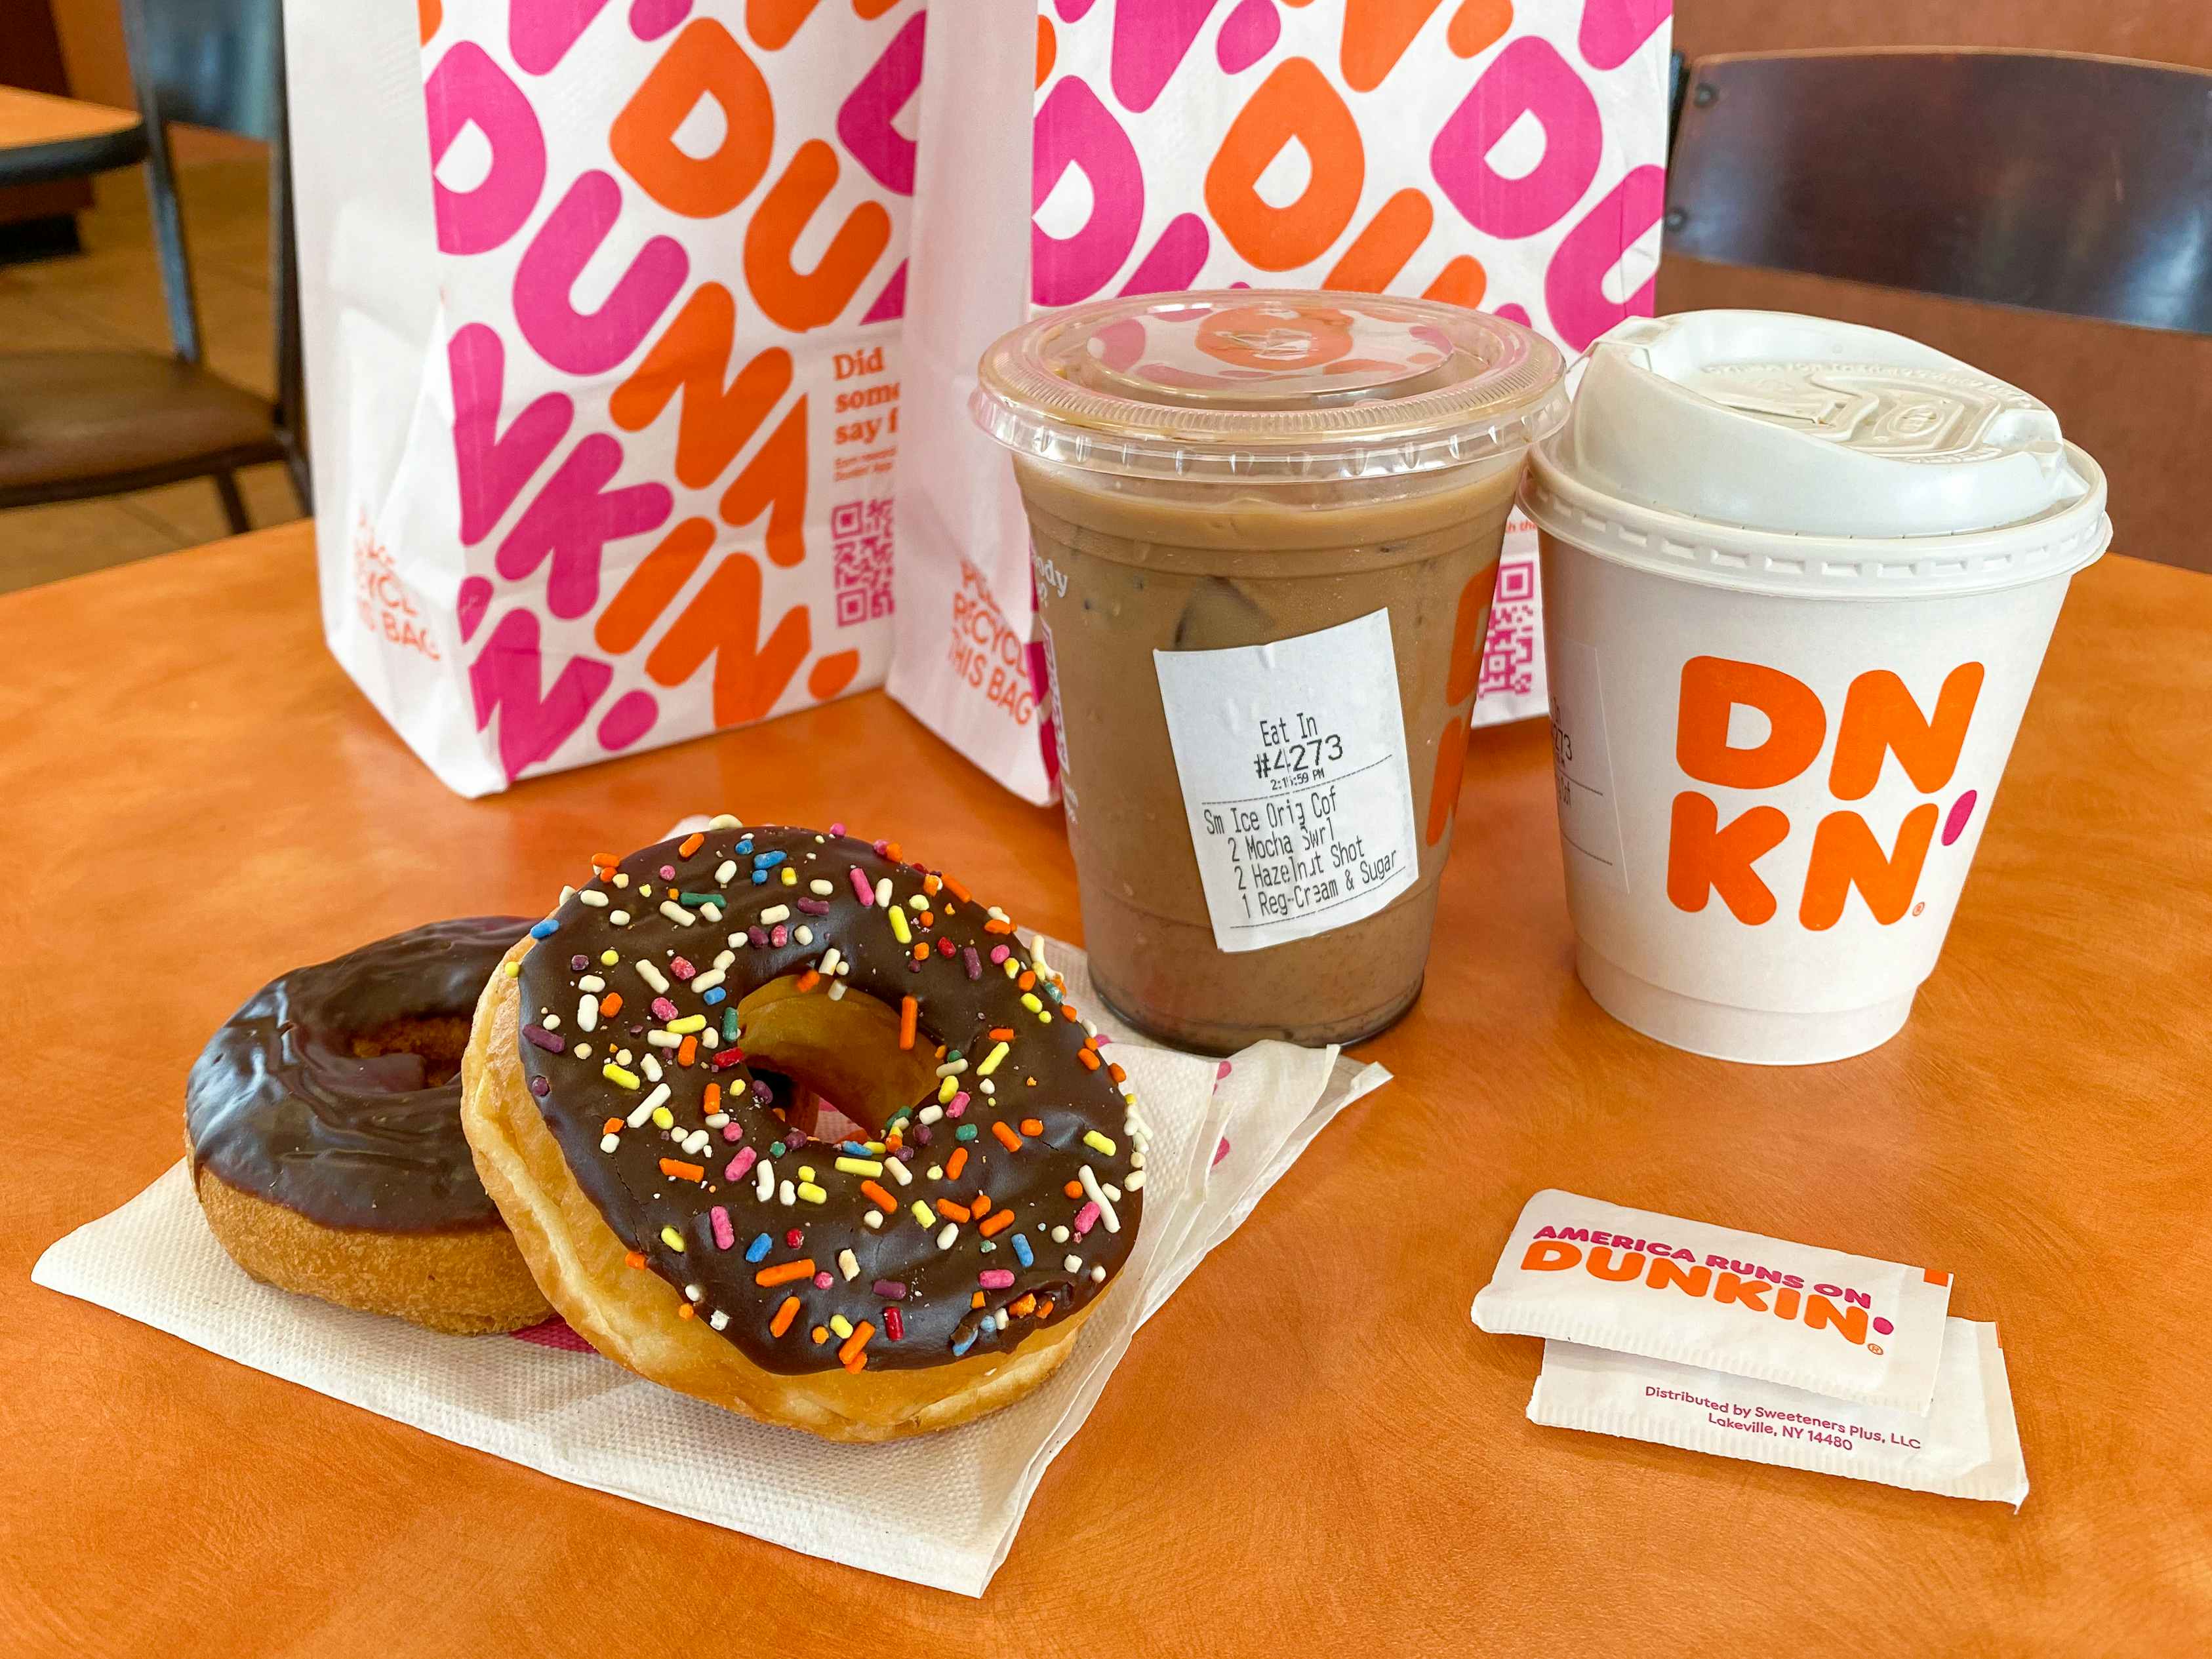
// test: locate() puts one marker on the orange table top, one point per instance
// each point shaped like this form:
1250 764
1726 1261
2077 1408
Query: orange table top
1310 1449
40 117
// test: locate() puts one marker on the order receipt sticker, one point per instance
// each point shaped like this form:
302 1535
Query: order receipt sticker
1968 1444
1292 757
1849 1327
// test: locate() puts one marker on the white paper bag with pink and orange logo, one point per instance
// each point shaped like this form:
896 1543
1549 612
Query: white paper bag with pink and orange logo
600 310
1465 149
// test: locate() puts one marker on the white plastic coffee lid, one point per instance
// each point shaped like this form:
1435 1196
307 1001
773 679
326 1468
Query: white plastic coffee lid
1777 453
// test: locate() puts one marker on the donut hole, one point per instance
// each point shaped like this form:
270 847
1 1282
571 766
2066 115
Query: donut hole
436 1040
831 1122
844 1049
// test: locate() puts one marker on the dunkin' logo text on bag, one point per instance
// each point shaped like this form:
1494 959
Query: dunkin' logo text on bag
1878 718
672 260
1653 1266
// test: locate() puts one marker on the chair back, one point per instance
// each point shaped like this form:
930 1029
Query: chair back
221 63
210 63
2080 185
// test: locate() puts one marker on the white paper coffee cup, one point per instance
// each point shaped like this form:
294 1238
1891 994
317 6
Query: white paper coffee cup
1798 580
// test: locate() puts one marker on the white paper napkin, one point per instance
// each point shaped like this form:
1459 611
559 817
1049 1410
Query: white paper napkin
1225 1131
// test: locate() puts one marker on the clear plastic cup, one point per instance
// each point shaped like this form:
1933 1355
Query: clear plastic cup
1798 578
1265 529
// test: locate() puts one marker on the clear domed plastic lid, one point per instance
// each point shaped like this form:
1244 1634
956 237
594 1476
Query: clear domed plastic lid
1269 386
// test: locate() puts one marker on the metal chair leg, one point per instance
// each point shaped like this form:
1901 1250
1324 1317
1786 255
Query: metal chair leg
233 504
295 464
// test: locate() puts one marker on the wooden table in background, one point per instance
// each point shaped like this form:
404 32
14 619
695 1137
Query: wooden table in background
40 117
1310 1450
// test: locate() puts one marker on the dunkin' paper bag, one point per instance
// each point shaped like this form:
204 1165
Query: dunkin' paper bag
600 304
1489 154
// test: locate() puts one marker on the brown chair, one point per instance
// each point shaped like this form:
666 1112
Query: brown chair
2081 186
81 424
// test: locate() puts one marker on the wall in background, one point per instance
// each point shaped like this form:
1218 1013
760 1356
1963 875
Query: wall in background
2164 31
92 46
31 56
2136 400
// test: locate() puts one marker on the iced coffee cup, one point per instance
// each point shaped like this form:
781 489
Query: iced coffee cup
1265 529
1798 578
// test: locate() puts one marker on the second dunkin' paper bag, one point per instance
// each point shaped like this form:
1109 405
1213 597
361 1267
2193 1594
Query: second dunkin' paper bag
1508 158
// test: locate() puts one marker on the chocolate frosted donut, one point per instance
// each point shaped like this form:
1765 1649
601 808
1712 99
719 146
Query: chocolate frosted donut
928 1270
323 1123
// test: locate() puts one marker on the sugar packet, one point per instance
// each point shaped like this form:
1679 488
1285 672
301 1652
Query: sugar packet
1847 1327
1966 1446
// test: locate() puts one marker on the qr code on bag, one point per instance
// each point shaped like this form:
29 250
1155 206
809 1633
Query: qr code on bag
861 560
1509 655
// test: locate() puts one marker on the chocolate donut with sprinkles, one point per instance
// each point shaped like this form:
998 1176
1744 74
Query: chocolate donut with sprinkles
933 1265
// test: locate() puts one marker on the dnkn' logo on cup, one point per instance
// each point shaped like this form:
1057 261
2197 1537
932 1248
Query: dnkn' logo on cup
1709 858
